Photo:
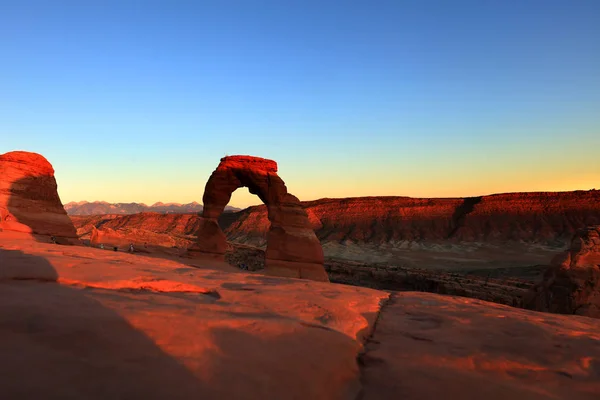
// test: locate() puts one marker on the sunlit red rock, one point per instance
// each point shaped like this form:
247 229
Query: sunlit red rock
96 324
29 200
541 217
293 249
89 323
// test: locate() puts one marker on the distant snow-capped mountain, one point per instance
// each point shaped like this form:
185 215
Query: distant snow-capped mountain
102 207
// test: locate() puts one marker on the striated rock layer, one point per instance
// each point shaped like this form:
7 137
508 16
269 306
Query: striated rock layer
545 218
293 249
572 284
541 217
29 199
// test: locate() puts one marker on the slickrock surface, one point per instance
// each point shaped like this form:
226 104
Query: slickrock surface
29 199
427 346
293 250
572 284
80 322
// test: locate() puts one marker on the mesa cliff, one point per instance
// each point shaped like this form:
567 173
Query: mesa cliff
541 217
521 230
544 217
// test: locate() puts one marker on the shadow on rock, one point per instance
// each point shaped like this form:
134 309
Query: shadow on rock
58 342
34 207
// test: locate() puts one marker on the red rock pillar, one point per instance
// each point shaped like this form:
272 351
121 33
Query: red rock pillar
293 249
211 239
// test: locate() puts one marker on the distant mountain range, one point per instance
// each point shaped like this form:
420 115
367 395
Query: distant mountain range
102 207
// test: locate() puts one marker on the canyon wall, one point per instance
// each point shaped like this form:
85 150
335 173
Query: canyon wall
498 231
543 217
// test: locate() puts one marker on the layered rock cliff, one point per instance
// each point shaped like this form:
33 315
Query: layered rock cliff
541 217
545 217
499 231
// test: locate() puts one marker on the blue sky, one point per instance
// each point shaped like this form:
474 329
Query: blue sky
138 100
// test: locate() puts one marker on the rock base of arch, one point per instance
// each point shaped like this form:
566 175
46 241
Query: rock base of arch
211 238
292 269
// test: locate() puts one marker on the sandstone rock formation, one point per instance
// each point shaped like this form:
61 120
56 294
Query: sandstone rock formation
572 284
29 199
514 232
84 323
427 346
293 249
539 217
94 324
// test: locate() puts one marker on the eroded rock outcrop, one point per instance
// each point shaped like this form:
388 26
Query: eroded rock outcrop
29 200
572 284
293 249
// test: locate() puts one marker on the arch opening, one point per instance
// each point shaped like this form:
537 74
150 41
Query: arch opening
293 249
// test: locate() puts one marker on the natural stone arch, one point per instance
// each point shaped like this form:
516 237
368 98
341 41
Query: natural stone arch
293 249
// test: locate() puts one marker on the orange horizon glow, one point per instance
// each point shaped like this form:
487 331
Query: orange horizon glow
241 198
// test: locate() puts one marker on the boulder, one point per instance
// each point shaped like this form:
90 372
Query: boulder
293 249
29 200
571 285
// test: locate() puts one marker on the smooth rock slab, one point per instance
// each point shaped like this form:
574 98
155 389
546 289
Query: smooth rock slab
78 322
428 346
